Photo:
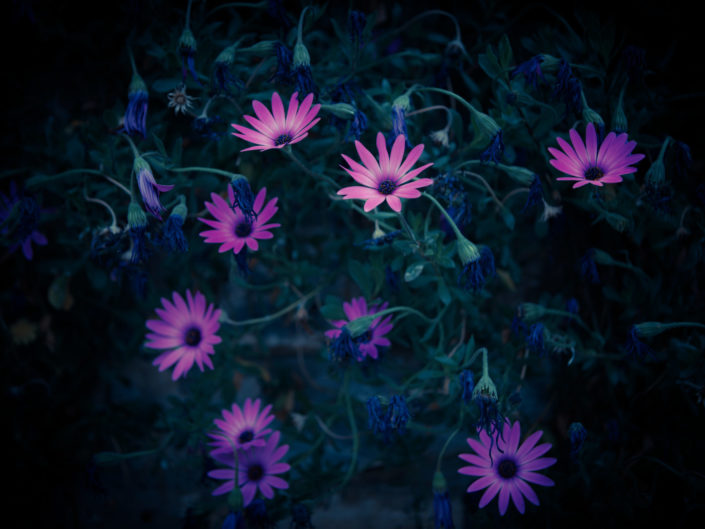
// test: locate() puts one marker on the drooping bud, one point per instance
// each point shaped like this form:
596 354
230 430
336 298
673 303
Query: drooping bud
340 110
619 118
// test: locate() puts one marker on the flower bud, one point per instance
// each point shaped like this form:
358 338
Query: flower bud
340 110
467 251
136 217
360 326
264 47
649 329
530 312
187 42
301 55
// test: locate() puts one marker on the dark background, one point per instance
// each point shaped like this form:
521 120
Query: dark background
67 61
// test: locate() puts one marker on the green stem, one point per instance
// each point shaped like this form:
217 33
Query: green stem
450 438
288 152
353 429
403 308
408 229
299 33
207 170
487 186
450 220
135 151
30 183
132 60
467 105
681 324
270 317
485 363
188 13
105 205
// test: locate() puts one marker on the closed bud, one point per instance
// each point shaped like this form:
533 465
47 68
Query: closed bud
360 326
340 110
402 102
619 118
137 85
467 251
136 217
187 42
439 482
264 47
649 329
180 209
522 175
301 56
530 312
227 56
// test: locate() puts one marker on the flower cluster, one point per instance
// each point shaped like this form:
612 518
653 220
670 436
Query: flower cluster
250 450
344 346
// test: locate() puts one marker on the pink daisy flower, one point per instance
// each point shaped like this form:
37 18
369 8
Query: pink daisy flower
257 469
588 164
387 179
368 342
276 129
508 468
187 331
242 428
233 228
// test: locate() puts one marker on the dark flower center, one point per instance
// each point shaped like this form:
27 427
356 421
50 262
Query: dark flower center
594 173
507 468
283 139
255 472
246 436
387 187
243 229
193 337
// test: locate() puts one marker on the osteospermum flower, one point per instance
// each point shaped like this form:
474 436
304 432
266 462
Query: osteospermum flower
257 469
186 331
389 178
276 129
242 428
505 468
586 163
375 336
233 228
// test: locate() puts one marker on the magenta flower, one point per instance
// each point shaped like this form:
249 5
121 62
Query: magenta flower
508 468
233 228
589 165
186 331
257 469
368 342
276 129
242 428
387 179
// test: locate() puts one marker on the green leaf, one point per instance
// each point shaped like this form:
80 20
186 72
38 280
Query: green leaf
443 292
358 272
489 63
332 309
506 57
163 86
508 218
413 271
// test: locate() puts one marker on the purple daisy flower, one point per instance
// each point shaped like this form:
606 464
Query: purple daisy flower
257 469
188 332
233 228
276 129
589 164
242 428
390 178
368 342
507 470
